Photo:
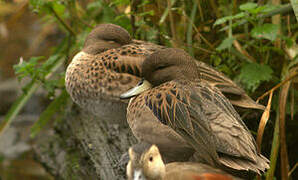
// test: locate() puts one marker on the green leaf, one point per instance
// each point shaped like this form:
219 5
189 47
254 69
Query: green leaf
119 2
59 8
294 4
225 44
22 100
94 5
55 106
40 6
248 6
239 15
222 20
50 61
227 18
251 75
28 68
265 31
267 8
151 13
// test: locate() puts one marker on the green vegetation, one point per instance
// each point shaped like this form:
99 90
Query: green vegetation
254 44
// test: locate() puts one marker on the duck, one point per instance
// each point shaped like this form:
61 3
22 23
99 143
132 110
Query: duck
109 64
146 163
189 118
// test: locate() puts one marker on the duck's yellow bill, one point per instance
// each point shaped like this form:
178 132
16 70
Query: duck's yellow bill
142 86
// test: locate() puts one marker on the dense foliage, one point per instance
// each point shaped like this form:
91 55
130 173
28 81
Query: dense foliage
252 43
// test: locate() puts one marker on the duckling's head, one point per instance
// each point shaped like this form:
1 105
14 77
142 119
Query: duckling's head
169 64
145 163
104 37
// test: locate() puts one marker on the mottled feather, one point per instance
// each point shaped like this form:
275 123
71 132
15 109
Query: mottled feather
194 109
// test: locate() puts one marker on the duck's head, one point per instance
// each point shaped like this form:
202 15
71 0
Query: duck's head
167 65
163 66
145 164
104 37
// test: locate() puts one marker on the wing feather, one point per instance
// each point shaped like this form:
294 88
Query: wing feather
204 117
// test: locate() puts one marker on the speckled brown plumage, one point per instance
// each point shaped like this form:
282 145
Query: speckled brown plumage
146 163
109 64
181 111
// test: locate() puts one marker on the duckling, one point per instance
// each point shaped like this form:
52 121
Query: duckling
109 64
185 116
146 164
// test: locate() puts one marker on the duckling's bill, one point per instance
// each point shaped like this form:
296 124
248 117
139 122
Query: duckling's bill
142 86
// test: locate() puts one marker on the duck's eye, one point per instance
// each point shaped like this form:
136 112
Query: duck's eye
141 82
110 40
160 67
150 158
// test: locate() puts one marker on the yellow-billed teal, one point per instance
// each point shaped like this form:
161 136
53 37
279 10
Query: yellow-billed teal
177 111
146 164
109 64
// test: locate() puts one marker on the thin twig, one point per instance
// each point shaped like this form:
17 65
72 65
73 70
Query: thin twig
172 25
77 17
293 169
214 7
63 23
284 9
203 49
198 32
289 25
200 10
235 42
277 86
243 51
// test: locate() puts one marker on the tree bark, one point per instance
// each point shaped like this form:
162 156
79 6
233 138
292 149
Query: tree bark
83 146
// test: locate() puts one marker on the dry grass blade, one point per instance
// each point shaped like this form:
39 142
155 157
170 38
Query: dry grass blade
263 122
172 25
243 51
282 115
200 10
292 76
293 169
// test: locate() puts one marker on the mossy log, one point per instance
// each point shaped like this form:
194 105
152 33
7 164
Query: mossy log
83 146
